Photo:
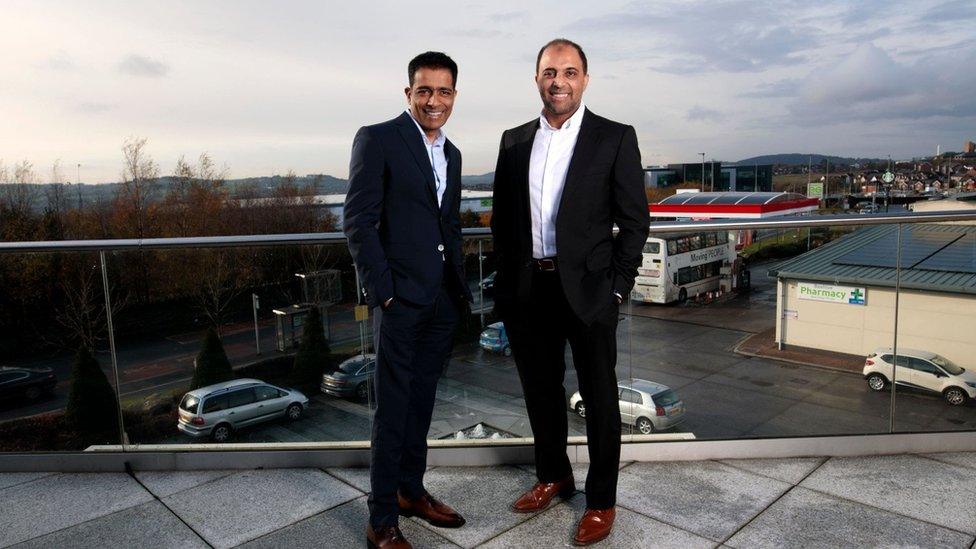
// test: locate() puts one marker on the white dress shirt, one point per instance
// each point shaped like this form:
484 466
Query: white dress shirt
552 150
438 160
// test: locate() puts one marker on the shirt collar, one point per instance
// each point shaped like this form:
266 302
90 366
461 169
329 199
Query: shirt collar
572 124
439 142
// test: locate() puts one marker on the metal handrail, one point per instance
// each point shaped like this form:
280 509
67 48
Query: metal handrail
472 233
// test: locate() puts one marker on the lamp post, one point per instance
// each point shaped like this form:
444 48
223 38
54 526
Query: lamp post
703 172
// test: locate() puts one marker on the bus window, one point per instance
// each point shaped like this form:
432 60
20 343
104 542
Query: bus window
723 237
683 245
711 239
696 242
686 275
672 247
652 248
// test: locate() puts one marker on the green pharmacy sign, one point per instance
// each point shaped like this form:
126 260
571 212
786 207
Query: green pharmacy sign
848 295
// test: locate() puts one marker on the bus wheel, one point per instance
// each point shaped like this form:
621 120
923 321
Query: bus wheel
682 296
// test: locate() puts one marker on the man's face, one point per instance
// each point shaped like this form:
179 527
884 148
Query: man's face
561 80
431 97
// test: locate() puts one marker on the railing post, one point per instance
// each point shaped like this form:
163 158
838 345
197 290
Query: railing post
111 346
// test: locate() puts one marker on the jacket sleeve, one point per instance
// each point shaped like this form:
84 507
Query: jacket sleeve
362 213
630 213
458 237
499 201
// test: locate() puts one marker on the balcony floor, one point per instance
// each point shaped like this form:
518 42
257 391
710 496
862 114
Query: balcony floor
906 500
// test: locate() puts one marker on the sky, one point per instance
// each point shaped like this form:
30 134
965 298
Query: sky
268 87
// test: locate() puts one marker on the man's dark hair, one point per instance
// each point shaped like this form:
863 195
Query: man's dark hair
432 60
561 42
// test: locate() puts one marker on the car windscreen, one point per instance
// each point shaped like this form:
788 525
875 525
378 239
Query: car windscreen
665 398
490 333
652 248
351 367
190 403
947 365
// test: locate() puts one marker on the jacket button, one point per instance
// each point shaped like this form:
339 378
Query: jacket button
440 247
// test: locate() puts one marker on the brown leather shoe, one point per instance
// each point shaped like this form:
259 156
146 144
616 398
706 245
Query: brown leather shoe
539 497
595 525
386 537
430 509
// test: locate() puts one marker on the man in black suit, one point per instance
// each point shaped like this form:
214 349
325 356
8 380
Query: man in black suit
561 183
404 231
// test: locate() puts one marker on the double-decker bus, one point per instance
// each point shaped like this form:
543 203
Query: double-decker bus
676 266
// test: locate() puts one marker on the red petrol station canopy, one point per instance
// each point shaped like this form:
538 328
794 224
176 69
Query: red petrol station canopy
742 205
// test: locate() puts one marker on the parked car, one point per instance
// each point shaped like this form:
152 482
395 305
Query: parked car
352 378
488 284
495 339
649 406
220 409
26 383
920 370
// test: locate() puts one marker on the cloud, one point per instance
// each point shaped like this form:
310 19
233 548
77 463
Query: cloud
507 17
94 107
699 113
60 61
137 65
787 87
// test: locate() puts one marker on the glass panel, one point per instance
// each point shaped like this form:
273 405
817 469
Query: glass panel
57 387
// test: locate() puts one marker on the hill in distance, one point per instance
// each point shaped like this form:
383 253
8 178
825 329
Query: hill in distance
802 159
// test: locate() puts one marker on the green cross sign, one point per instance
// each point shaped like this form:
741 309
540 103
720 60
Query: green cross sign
857 297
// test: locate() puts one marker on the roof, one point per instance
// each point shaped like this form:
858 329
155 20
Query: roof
935 257
733 205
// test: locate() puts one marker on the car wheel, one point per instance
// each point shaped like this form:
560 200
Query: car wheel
645 426
581 409
32 393
293 411
221 433
877 382
362 391
955 396
682 296
507 351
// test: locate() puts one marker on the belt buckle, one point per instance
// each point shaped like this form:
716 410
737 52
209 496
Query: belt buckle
547 265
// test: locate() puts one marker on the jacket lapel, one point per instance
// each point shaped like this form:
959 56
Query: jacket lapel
586 142
453 175
523 154
411 136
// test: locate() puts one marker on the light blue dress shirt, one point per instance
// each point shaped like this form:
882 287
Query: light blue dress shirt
438 160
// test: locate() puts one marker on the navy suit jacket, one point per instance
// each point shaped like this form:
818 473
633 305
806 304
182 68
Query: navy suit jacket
399 238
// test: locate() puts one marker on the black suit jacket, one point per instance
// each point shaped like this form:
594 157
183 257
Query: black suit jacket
604 186
398 236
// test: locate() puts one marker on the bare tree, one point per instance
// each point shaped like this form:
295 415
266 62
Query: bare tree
83 314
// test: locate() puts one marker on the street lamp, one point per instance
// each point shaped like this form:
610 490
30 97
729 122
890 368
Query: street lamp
703 172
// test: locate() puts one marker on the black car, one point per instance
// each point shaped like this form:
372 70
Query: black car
26 383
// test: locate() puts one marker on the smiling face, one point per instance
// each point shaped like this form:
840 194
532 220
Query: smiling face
431 98
561 82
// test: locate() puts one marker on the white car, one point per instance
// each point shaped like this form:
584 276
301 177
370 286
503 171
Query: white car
920 370
649 406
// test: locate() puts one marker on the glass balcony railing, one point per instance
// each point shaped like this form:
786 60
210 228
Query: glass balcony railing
791 327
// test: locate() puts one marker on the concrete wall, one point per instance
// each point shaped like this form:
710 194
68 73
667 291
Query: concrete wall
939 322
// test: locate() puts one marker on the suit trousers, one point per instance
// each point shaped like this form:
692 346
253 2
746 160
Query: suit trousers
412 347
538 332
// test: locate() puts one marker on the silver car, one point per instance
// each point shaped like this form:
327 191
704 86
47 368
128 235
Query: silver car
649 406
218 410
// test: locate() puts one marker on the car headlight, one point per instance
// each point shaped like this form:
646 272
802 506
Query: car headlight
971 384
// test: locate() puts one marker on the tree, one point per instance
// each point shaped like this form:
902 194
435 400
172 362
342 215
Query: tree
313 352
92 409
211 365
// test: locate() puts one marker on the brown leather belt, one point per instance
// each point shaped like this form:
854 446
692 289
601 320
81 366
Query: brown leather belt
545 265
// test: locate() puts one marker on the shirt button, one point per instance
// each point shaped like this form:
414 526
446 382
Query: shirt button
440 247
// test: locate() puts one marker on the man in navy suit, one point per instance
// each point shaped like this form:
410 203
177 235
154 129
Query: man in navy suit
404 230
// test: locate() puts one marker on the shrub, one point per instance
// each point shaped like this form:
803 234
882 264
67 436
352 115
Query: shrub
93 409
211 365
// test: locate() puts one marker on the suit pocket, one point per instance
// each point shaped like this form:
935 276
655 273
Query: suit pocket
599 259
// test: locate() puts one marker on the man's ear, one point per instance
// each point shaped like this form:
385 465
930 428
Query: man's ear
406 91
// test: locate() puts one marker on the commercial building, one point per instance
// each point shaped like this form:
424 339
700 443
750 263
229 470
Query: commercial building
717 177
841 296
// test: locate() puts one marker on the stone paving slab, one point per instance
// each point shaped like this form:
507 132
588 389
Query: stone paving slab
704 497
482 496
555 527
13 479
922 488
342 526
167 483
357 477
804 518
147 525
59 501
966 459
240 507
791 470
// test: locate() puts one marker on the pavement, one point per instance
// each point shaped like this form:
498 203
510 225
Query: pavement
898 500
